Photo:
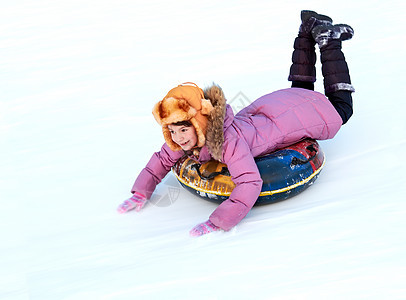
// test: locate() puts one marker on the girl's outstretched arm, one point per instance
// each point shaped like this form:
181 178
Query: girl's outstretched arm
248 183
156 169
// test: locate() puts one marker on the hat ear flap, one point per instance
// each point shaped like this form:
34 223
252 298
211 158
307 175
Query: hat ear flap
207 107
156 112
168 139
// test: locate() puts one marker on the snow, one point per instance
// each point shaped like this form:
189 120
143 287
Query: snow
77 83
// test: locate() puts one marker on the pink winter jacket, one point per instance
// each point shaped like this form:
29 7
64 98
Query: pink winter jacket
271 122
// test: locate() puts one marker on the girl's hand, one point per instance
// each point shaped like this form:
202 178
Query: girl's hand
137 202
204 228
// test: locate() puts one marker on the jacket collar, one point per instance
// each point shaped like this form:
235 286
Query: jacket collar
219 119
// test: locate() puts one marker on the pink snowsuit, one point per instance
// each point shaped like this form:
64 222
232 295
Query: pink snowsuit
271 122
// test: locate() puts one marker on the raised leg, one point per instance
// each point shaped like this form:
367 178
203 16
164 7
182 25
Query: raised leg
337 81
303 71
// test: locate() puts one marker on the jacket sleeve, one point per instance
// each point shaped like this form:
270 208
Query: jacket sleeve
156 169
248 183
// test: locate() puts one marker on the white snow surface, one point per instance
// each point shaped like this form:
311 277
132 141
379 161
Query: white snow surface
78 82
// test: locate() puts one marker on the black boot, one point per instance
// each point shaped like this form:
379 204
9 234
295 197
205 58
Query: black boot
311 19
334 67
324 33
303 72
337 81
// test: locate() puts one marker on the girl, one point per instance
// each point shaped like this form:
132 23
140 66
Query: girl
201 124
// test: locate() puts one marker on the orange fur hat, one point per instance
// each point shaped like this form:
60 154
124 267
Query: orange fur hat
183 103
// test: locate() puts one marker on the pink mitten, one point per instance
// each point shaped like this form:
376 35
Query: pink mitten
204 228
137 202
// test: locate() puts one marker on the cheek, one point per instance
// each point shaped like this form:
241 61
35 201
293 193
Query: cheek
173 137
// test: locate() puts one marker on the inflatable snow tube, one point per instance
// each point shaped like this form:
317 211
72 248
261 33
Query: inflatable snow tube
285 173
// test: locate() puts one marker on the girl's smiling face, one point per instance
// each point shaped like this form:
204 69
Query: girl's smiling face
184 136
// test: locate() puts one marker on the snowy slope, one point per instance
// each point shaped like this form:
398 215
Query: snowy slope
77 83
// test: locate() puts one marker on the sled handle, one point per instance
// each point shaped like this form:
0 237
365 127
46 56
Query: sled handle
196 167
298 161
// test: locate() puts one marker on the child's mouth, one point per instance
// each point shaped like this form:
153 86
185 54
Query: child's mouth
184 144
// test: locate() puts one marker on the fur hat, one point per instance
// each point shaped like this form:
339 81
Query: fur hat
183 103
